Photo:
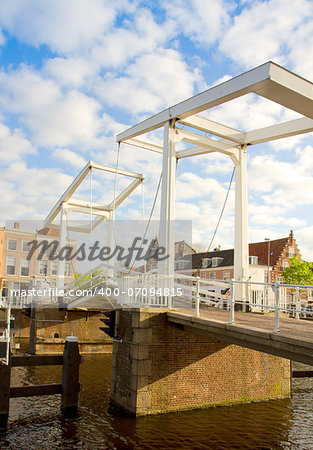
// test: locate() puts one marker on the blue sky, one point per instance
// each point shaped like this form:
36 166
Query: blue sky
75 73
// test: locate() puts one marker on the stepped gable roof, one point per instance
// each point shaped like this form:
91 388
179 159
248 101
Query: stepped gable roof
260 249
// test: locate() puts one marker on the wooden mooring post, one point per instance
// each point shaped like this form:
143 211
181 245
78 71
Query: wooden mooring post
69 388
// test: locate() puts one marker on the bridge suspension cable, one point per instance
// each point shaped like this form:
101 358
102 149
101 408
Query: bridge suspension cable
222 212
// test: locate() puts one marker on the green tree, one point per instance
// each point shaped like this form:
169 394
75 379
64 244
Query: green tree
298 272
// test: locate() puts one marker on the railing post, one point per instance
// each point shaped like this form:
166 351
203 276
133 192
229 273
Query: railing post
198 297
70 376
232 303
276 287
297 304
32 329
5 376
170 288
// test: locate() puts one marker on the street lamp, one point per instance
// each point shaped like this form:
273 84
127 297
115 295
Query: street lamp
268 259
268 269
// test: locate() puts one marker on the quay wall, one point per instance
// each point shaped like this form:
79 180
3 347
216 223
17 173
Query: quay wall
157 367
52 327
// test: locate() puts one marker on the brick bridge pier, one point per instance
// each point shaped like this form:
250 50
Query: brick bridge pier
159 367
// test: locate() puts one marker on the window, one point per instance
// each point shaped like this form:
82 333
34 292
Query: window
51 248
24 286
216 261
67 271
180 265
53 267
205 263
24 268
212 275
292 252
43 267
20 286
226 275
12 244
285 264
10 265
280 279
25 246
253 260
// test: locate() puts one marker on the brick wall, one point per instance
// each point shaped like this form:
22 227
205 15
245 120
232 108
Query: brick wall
53 326
159 368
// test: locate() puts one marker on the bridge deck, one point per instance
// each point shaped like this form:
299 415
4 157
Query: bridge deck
294 340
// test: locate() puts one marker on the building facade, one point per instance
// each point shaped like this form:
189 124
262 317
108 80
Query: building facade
267 262
21 274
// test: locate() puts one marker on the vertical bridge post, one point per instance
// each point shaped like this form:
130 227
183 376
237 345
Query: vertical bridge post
241 251
167 224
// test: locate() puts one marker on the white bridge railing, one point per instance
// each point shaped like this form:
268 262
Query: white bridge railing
134 289
295 300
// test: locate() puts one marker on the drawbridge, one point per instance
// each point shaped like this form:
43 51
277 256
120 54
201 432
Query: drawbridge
188 131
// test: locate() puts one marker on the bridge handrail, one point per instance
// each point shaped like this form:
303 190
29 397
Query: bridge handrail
276 307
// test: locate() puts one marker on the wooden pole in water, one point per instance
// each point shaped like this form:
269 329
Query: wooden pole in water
5 376
70 376
32 330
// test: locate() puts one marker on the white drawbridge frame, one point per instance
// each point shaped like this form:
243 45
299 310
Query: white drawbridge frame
270 81
102 212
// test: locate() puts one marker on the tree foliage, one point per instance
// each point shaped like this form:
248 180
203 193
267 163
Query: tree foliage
298 272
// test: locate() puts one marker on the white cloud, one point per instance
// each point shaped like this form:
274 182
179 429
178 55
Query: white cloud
263 31
136 37
152 82
30 192
69 72
301 45
305 242
53 117
214 164
204 218
190 185
13 146
250 112
261 217
202 22
281 182
66 26
139 35
68 157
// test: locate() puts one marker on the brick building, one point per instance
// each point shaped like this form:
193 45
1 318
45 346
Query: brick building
267 261
20 274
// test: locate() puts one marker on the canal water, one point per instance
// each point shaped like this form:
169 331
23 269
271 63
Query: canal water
36 423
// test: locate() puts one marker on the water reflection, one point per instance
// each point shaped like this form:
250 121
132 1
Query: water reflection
37 422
